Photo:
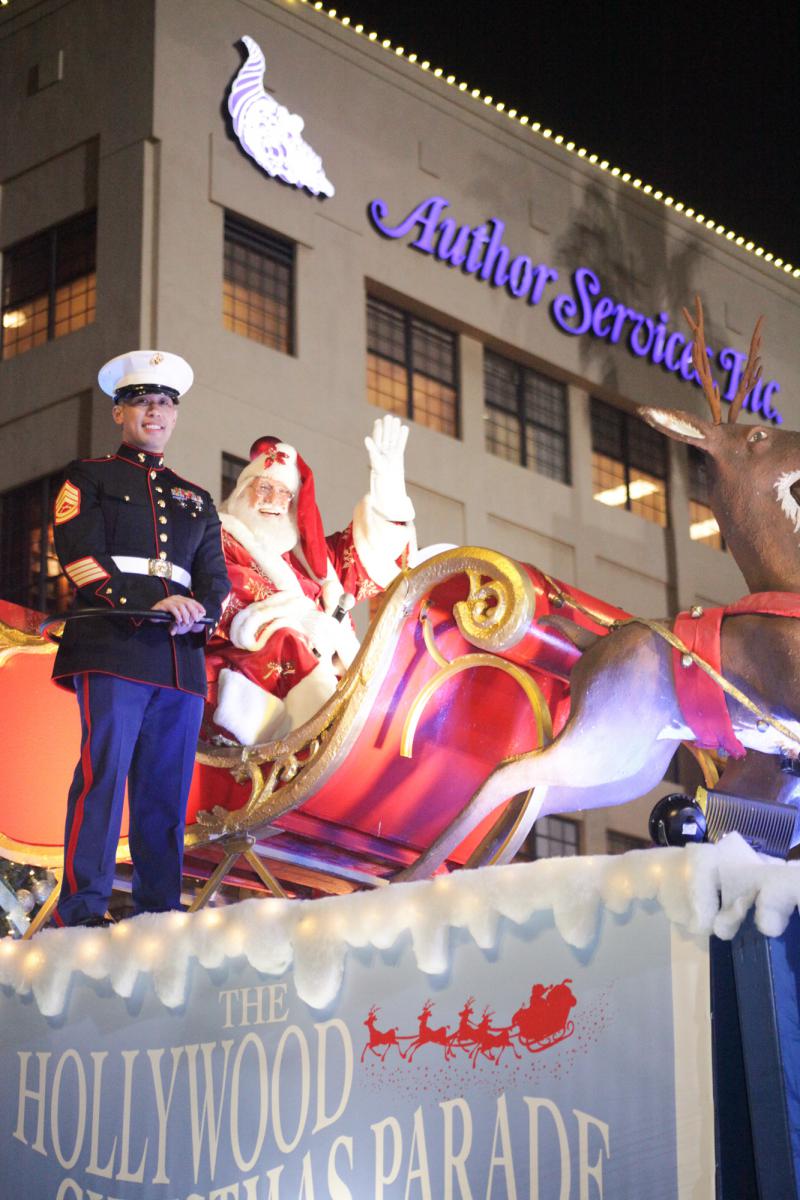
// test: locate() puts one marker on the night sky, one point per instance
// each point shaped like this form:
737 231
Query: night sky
703 104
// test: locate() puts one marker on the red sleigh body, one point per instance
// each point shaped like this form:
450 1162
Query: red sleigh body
455 675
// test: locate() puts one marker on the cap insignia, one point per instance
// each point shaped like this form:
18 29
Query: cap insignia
157 358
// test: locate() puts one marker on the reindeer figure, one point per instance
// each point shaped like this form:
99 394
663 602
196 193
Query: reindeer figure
378 1037
490 1042
427 1036
625 719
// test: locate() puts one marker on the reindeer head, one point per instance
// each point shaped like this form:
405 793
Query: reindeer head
426 1010
469 1005
753 473
372 1014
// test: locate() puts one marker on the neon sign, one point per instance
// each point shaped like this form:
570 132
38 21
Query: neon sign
269 133
583 310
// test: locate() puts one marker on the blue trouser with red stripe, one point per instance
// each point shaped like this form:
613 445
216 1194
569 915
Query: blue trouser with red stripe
146 736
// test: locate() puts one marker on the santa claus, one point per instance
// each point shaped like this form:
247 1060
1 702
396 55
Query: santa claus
285 637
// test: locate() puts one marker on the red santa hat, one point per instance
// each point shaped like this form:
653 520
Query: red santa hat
281 462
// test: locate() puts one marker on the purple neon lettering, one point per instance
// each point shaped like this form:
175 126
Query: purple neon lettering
622 316
633 342
453 242
686 365
731 360
770 389
602 311
426 215
520 275
673 341
480 236
496 257
482 251
565 307
658 342
542 276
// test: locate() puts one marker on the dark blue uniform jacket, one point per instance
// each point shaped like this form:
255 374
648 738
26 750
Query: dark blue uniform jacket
130 504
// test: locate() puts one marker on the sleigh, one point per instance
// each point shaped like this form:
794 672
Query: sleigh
459 671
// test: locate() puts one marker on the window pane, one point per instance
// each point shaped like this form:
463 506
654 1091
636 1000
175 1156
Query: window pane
547 453
258 284
621 843
434 404
648 497
25 326
26 270
703 526
59 263
411 367
232 468
647 448
387 385
502 435
75 305
545 401
75 249
501 382
555 837
608 481
386 331
434 351
607 430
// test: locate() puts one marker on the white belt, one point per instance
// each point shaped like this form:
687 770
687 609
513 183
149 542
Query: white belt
152 566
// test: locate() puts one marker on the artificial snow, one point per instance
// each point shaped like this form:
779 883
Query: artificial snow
704 889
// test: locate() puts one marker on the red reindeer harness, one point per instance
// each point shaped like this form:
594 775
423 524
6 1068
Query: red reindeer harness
701 699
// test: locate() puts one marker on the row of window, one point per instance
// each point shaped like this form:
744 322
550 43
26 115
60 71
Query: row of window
48 289
559 837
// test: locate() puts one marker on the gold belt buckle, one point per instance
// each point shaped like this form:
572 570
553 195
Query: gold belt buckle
159 567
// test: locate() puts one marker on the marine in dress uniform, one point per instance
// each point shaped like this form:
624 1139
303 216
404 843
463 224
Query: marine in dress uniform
131 534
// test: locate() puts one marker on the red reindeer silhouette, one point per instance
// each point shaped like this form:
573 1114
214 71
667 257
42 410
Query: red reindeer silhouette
464 1036
545 1019
379 1037
488 1040
427 1036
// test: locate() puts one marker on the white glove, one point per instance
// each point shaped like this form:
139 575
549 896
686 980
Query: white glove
251 628
322 632
387 486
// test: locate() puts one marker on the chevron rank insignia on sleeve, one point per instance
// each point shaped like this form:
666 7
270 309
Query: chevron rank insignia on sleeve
68 503
85 571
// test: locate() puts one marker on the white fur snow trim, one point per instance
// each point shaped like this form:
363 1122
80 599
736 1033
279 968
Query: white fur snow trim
308 696
273 565
701 889
248 712
379 543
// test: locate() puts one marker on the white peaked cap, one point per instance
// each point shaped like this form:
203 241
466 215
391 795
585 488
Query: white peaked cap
143 368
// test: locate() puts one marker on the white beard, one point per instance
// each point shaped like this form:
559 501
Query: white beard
272 534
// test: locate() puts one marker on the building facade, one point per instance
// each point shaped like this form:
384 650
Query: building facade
448 260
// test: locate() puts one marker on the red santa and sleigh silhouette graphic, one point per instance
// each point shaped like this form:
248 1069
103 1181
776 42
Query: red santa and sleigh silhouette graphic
538 1025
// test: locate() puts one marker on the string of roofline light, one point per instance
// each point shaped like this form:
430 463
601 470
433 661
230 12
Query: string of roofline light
559 140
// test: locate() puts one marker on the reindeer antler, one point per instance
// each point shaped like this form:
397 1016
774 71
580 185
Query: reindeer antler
751 373
749 377
700 360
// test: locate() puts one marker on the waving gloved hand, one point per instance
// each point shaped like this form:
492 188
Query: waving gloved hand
386 450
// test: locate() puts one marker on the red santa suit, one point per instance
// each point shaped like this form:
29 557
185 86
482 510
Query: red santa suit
278 650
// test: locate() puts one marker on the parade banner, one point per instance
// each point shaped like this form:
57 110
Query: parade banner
523 1068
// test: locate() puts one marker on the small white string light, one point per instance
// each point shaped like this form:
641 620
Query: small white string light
535 127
